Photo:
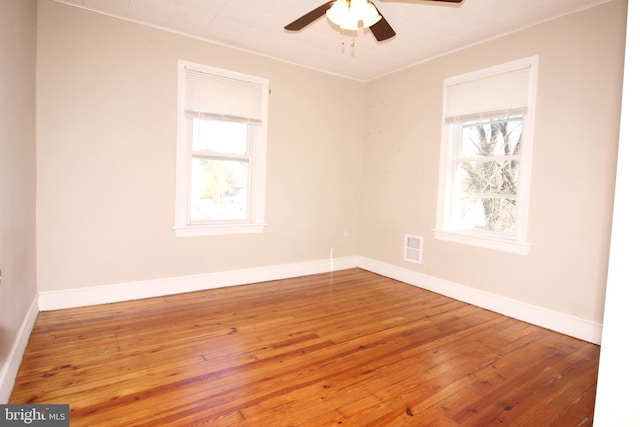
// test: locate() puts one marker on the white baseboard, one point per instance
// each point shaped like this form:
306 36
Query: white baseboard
69 298
560 322
9 369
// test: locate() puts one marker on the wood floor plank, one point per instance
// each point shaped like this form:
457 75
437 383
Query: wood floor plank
342 348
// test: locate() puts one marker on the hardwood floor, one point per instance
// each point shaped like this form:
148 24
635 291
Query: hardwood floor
342 348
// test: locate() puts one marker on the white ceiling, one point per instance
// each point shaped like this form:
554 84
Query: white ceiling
425 29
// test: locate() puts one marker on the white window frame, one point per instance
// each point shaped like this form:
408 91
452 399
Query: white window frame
257 153
518 242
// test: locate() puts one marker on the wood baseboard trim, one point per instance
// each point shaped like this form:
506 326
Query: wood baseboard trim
9 369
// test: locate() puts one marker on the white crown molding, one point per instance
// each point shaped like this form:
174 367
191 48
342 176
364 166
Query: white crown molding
10 367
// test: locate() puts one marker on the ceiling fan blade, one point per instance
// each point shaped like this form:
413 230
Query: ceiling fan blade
382 29
307 19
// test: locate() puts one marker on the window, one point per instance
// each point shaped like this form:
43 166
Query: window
486 155
221 155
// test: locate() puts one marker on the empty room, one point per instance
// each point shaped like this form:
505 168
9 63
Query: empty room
275 213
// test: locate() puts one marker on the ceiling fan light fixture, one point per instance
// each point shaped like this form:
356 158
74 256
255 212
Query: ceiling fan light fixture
338 12
350 22
347 14
370 15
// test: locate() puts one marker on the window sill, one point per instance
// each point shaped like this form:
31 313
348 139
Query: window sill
483 241
217 229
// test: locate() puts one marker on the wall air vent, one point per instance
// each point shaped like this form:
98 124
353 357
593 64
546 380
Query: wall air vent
413 248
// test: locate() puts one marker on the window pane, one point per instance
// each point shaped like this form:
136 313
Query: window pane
498 177
485 192
491 138
485 195
219 189
485 214
219 136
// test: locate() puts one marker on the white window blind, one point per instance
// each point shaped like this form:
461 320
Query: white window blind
495 95
218 95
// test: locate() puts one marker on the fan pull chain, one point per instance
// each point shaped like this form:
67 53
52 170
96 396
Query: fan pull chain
343 44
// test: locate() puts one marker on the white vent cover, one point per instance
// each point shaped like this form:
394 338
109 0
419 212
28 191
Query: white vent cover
413 248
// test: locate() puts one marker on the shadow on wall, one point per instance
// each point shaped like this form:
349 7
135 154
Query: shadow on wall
5 345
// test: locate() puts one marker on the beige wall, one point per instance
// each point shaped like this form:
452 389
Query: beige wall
342 156
17 168
106 149
577 122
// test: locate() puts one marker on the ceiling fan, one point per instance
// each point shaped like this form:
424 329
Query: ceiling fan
338 12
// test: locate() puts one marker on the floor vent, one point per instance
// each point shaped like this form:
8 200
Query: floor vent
413 249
